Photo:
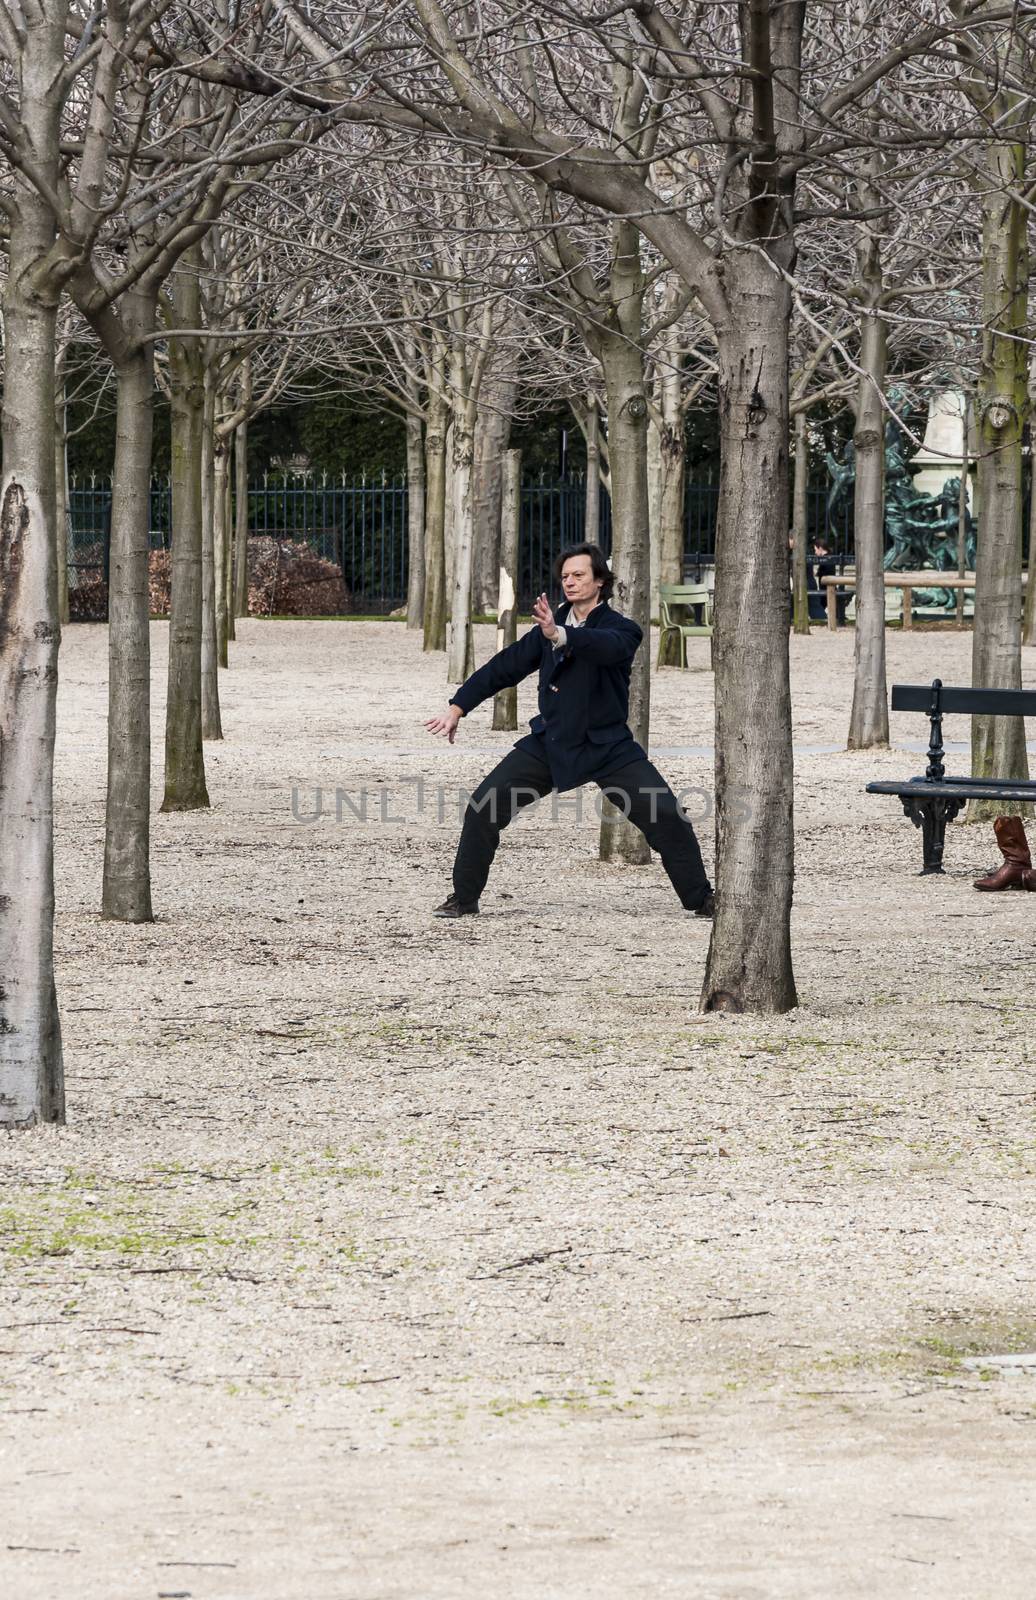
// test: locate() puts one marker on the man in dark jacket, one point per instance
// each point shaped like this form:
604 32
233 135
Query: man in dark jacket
584 653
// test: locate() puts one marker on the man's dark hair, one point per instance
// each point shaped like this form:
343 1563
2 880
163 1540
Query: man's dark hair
599 565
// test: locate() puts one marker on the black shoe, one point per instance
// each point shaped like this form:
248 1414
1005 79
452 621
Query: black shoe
707 909
452 907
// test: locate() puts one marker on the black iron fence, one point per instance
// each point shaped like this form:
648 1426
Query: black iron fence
361 525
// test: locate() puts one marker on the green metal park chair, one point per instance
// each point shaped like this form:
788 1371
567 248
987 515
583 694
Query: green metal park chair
679 606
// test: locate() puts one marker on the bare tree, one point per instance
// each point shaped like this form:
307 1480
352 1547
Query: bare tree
868 722
505 704
468 355
995 79
80 138
185 788
800 527
682 370
31 1074
266 305
492 433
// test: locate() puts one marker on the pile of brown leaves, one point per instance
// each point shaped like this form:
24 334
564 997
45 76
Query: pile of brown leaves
285 578
88 600
264 564
159 581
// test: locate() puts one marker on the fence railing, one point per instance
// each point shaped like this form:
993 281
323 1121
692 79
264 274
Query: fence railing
361 525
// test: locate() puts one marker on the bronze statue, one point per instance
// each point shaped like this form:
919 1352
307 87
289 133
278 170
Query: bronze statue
921 530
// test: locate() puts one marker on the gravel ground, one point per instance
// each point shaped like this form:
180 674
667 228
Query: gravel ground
385 1257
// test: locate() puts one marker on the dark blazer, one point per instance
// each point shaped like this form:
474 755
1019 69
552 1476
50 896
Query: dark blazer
581 728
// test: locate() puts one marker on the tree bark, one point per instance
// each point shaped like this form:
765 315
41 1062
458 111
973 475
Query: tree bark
448 520
461 659
654 481
241 520
622 362
869 719
749 964
998 743
673 454
126 891
435 525
61 501
184 760
1029 612
962 512
800 528
672 483
505 702
492 432
211 726
220 545
415 522
228 549
592 524
31 1071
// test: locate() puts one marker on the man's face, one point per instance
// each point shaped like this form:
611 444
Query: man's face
578 581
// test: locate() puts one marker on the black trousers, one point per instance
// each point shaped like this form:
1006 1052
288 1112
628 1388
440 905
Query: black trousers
639 790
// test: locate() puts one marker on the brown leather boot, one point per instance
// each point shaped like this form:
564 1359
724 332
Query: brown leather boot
1017 862
1029 879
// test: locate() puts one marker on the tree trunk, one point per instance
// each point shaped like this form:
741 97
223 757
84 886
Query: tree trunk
492 432
126 894
461 643
962 515
1029 612
61 502
672 486
220 545
800 528
415 522
184 761
211 727
435 526
654 482
673 454
241 520
228 549
749 964
869 720
31 1073
622 361
505 702
998 743
592 524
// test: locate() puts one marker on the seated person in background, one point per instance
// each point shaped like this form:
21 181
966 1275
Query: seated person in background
823 565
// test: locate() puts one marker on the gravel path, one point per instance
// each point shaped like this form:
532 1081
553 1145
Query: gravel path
384 1257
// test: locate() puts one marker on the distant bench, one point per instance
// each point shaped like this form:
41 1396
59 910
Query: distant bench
934 800
839 587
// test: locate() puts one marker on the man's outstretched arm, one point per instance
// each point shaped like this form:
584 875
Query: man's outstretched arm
504 671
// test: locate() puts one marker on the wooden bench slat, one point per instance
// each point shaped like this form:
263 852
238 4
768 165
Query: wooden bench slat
965 789
1026 784
972 702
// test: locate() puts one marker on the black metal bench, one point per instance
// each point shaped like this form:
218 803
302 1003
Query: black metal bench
935 799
